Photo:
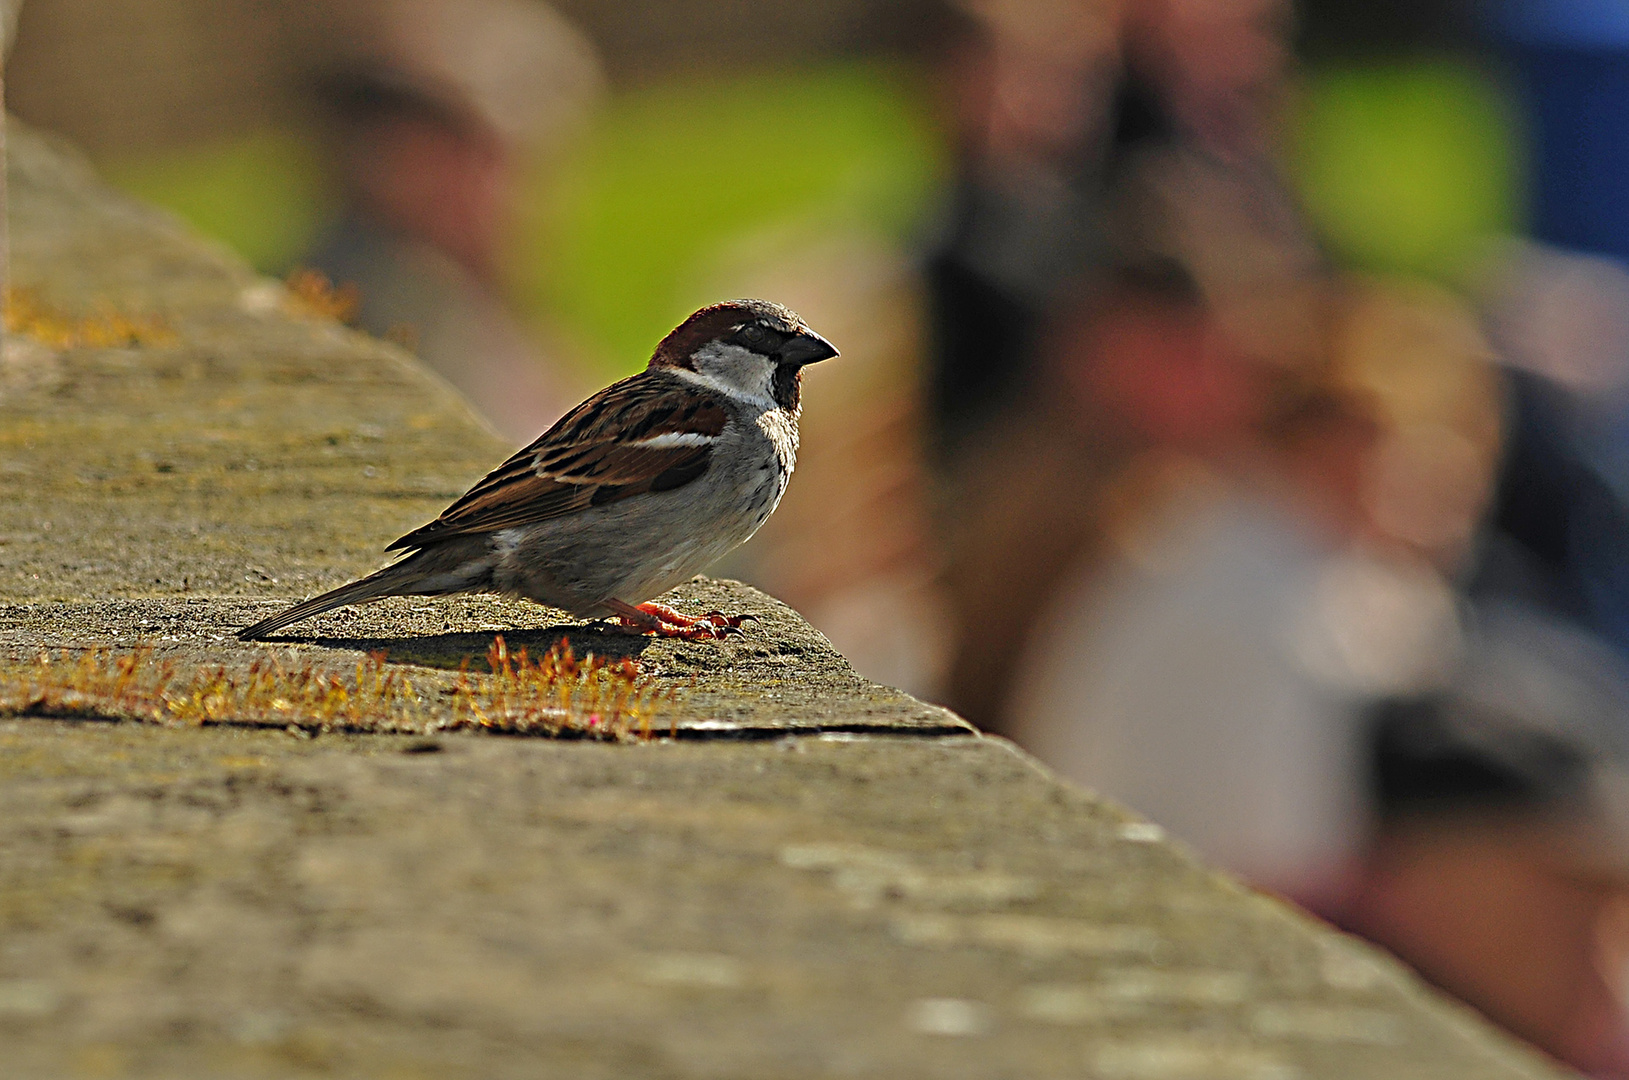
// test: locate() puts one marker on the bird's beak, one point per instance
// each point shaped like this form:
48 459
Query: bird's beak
805 348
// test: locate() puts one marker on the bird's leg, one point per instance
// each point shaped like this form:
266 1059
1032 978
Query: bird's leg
713 618
663 621
663 613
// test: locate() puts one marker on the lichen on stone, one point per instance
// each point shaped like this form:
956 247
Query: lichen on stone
27 313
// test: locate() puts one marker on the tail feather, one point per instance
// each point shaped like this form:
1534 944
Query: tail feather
387 582
461 566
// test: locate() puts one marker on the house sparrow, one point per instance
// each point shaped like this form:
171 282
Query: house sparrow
631 492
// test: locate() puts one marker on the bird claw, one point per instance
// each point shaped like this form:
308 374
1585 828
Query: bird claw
715 625
663 621
701 631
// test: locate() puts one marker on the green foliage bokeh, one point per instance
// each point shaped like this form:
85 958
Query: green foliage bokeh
1407 166
263 194
671 176
617 230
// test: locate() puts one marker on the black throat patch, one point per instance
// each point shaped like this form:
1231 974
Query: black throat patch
788 386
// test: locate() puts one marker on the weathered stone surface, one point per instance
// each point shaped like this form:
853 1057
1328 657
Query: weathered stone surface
232 902
270 456
257 454
779 675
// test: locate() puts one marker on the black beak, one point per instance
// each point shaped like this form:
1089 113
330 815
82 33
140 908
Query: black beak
805 348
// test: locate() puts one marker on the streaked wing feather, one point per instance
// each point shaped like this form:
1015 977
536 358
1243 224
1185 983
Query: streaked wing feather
589 458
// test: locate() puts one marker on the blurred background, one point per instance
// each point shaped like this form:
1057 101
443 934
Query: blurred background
1234 402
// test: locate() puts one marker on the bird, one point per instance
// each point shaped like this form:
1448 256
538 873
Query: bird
630 493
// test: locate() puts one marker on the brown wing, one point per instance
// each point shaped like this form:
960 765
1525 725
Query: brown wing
598 453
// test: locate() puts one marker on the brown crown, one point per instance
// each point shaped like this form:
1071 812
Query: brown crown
717 321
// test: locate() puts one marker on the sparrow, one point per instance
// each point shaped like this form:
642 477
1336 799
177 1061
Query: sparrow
630 493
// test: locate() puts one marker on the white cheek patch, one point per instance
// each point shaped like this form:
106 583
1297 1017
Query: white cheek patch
734 372
669 439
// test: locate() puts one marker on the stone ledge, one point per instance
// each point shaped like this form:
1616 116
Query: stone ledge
222 902
253 452
233 902
779 676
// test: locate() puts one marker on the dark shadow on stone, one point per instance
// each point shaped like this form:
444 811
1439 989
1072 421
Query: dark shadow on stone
451 651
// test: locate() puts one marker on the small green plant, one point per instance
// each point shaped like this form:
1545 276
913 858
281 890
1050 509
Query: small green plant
556 694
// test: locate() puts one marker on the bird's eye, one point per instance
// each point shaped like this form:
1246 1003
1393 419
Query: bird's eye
752 333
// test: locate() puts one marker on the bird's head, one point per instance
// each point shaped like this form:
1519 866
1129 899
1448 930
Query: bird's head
751 348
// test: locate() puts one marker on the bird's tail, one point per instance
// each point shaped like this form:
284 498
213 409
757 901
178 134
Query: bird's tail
460 566
387 582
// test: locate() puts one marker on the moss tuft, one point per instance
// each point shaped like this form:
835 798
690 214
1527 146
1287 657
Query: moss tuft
557 694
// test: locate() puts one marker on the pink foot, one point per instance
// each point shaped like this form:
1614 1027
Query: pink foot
663 621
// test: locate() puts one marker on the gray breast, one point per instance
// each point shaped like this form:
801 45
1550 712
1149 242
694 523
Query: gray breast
639 547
